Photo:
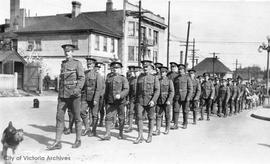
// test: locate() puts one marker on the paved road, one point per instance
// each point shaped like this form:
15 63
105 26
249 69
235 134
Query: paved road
237 139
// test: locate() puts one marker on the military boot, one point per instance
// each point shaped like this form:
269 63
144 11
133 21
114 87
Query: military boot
129 129
108 126
176 118
157 132
150 133
94 128
140 138
167 129
56 145
87 127
121 128
185 120
194 117
78 126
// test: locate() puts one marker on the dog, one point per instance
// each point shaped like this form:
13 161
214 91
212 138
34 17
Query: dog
11 138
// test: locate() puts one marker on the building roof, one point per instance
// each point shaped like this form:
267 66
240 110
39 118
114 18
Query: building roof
99 22
207 66
11 56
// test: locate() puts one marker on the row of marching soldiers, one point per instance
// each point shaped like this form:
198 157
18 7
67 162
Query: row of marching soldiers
153 91
150 92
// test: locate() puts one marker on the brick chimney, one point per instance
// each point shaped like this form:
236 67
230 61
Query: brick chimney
76 8
14 14
109 5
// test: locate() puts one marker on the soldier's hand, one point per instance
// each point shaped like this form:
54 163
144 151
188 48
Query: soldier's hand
117 96
151 103
168 103
94 102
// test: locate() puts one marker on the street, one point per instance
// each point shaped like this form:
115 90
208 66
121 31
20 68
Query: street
237 139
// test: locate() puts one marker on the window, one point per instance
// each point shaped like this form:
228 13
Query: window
150 33
30 46
137 29
131 53
149 54
131 28
105 40
143 33
97 42
75 43
155 41
112 45
155 56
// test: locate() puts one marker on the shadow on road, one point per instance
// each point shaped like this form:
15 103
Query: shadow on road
266 145
42 139
47 128
114 134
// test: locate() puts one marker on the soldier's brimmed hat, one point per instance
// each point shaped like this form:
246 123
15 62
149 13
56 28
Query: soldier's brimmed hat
199 76
116 64
147 63
174 64
239 78
229 79
68 47
163 69
98 64
191 71
158 65
206 74
90 60
181 66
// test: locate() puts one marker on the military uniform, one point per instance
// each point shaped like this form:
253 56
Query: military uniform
131 97
116 85
164 101
70 84
215 101
233 98
223 99
195 98
147 93
208 92
90 100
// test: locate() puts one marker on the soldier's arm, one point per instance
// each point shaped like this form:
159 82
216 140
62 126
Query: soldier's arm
125 89
80 76
156 90
171 91
189 89
198 91
212 91
228 94
98 87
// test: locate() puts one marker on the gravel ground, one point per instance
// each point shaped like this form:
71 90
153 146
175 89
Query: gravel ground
237 139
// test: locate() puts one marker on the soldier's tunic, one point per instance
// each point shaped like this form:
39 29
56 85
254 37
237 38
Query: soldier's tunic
241 97
116 84
233 96
71 82
132 95
147 89
237 99
208 93
172 75
183 92
91 93
223 99
166 94
195 98
215 101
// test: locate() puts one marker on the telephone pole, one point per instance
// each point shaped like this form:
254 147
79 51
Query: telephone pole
214 58
139 33
187 43
193 57
236 67
168 37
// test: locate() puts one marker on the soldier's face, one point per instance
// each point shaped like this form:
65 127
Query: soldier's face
147 68
90 65
163 73
68 53
181 70
192 75
174 68
206 77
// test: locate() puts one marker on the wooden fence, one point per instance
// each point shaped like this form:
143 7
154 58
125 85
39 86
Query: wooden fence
8 81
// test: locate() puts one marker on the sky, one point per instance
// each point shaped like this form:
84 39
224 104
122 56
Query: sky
232 29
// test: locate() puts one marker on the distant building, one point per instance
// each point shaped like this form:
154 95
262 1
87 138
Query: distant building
106 35
213 65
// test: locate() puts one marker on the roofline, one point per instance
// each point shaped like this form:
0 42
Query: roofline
68 31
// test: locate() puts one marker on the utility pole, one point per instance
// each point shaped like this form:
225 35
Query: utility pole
187 43
181 57
139 33
168 37
214 58
193 57
236 66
